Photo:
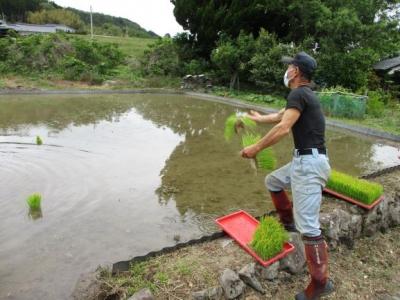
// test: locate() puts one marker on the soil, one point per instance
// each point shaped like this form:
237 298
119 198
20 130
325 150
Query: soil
371 270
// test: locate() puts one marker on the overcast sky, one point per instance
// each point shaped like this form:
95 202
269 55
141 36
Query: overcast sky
154 15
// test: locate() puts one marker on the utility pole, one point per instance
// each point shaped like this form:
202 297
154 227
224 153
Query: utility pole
91 22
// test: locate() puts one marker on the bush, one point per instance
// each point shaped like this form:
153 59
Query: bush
58 54
375 105
266 68
161 58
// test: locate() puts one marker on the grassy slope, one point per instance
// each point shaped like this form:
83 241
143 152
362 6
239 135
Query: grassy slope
131 46
127 76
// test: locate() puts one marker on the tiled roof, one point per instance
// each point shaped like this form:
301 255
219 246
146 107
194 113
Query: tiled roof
387 64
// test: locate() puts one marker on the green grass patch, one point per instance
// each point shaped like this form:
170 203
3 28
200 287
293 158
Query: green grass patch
362 190
130 46
265 158
269 238
236 121
39 141
34 201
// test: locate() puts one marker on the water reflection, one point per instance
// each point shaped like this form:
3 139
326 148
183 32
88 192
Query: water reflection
123 174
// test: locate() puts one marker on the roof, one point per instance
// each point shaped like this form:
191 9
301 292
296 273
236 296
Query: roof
39 28
387 64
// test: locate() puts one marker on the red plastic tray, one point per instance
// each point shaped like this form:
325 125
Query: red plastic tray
241 226
354 201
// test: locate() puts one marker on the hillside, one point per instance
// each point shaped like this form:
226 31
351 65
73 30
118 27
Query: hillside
106 24
43 11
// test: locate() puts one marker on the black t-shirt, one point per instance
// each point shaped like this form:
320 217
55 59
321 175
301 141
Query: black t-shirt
309 129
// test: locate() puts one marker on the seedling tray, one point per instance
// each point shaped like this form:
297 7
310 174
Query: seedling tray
353 201
241 227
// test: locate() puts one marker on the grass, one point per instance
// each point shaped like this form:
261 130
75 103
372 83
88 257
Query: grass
265 158
39 141
362 190
234 122
269 238
131 46
34 201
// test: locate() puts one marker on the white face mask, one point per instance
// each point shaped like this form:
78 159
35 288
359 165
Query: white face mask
286 79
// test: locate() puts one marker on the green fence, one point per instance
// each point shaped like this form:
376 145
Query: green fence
343 105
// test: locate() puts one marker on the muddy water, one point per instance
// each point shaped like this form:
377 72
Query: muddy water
121 175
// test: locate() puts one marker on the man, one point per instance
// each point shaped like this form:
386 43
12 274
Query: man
308 172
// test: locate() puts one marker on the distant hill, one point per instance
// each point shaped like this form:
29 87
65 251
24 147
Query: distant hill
19 11
113 25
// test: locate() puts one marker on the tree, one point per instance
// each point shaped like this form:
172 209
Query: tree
265 65
233 56
56 16
16 10
351 34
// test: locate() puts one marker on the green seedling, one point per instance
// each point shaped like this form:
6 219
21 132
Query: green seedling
234 122
265 158
34 202
269 238
39 141
359 189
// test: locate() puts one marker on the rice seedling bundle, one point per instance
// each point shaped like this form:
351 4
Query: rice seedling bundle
233 122
39 141
359 189
34 201
269 238
265 158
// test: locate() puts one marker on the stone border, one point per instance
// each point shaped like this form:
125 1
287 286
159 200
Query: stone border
340 226
202 96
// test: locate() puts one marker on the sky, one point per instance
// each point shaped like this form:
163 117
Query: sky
154 15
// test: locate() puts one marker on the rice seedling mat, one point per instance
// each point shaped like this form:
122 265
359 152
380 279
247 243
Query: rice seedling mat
353 201
241 226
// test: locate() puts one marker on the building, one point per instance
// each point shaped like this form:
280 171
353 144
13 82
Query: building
26 29
388 66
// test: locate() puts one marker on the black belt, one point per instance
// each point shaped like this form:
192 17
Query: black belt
309 151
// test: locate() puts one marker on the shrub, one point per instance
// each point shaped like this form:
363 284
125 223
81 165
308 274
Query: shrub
161 58
362 190
39 141
269 238
71 57
375 106
266 69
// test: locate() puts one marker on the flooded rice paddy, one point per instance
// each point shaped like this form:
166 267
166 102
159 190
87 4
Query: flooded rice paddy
121 175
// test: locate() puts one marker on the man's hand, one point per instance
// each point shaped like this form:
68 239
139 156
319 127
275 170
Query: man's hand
250 151
254 115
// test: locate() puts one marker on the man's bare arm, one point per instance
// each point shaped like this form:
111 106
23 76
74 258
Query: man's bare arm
289 118
269 119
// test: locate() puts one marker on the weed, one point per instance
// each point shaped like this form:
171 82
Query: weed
362 190
39 141
269 237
